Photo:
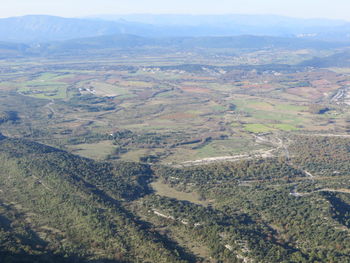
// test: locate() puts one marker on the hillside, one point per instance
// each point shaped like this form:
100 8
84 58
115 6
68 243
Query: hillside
341 59
8 49
57 207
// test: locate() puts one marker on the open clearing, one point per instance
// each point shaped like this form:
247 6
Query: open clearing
97 151
165 190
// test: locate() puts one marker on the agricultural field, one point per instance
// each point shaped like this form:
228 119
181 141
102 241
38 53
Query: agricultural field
175 112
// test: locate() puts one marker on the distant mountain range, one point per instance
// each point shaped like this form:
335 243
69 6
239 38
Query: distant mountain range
41 35
228 25
42 28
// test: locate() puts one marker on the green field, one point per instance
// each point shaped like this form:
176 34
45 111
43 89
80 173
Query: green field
257 128
45 86
98 151
284 127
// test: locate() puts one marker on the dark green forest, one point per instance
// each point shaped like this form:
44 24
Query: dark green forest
58 207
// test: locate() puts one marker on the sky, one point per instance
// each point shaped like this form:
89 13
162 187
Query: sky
334 9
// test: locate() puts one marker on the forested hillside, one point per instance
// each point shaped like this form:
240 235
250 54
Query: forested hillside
292 209
57 207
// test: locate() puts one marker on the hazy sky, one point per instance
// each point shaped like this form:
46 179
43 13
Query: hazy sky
73 8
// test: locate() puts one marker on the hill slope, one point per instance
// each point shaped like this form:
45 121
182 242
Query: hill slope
57 207
341 59
54 203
